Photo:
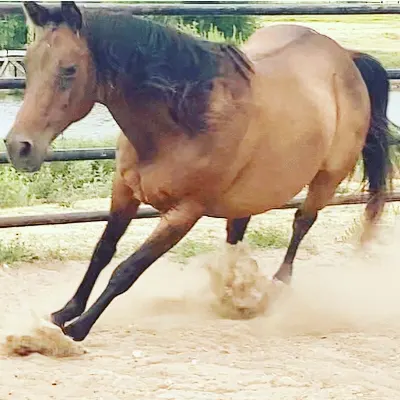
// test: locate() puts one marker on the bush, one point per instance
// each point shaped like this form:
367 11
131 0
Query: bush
241 25
231 28
58 182
13 32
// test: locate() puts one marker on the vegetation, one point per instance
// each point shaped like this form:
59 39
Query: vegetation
15 251
268 237
58 182
234 28
377 35
13 32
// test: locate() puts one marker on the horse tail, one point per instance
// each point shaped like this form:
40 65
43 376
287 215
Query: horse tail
376 157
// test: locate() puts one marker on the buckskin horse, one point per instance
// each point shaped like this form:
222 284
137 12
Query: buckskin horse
209 129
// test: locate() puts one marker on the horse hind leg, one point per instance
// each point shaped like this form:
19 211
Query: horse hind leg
321 190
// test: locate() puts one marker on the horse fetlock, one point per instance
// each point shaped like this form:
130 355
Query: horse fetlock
284 273
71 310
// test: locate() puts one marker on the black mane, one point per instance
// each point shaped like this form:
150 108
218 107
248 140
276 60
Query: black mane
159 61
166 64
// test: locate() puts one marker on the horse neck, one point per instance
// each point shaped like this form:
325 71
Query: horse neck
144 122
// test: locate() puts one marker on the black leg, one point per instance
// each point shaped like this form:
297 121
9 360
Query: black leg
236 228
372 214
301 225
102 255
123 209
171 229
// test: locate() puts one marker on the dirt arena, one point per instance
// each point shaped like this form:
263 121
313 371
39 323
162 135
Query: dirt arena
335 337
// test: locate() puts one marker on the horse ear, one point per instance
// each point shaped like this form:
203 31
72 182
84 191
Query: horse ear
39 15
71 15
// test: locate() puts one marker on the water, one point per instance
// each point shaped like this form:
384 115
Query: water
99 124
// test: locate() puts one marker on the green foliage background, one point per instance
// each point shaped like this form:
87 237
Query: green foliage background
13 32
232 28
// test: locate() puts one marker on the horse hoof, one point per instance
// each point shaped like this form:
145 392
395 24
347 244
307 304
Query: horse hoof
282 280
66 314
75 331
57 319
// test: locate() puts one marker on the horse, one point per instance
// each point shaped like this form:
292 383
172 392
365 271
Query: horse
208 129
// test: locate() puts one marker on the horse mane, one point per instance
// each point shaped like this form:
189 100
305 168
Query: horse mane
160 62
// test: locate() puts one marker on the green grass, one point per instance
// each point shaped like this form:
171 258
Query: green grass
16 251
348 19
258 238
190 248
271 237
387 58
58 182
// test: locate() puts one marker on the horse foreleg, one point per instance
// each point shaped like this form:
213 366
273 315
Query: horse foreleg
172 227
235 229
123 209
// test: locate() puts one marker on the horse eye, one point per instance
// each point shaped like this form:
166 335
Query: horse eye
68 71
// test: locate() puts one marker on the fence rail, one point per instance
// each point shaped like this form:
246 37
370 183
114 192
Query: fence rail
333 8
73 155
19 83
150 212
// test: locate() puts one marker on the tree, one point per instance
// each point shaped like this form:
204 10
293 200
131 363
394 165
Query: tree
236 27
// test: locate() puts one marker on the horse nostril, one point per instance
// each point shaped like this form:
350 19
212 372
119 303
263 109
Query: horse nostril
25 148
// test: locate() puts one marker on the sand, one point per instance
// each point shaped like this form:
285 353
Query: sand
335 336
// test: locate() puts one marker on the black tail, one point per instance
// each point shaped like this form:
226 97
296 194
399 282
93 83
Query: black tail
376 157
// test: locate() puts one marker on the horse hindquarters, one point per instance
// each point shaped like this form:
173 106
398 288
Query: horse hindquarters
353 112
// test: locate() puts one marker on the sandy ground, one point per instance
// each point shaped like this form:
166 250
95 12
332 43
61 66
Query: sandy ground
335 337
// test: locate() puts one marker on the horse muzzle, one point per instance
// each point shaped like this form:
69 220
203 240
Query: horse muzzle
23 154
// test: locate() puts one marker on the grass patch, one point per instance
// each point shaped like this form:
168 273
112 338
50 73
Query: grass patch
57 182
63 144
377 35
190 248
389 59
268 238
258 238
16 93
60 182
16 251
388 19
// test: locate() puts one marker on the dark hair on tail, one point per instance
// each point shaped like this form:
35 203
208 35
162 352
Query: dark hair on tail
376 157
